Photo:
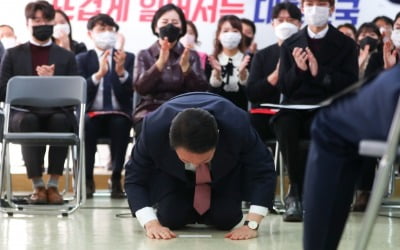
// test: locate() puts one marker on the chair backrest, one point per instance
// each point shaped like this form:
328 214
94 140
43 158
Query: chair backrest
47 91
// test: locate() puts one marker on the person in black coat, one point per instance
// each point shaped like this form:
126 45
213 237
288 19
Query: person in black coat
315 63
263 78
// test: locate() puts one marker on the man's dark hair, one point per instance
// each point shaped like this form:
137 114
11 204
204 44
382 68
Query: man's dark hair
195 130
161 11
44 6
292 9
386 19
249 23
103 20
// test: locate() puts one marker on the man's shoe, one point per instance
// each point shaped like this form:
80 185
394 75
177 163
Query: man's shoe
90 188
294 210
39 196
53 196
116 189
361 202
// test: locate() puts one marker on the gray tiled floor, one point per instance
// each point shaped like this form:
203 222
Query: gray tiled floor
106 224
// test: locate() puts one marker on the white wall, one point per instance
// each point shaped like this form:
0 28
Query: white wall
138 33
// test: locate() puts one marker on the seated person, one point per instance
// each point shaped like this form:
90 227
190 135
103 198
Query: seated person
166 68
108 73
308 74
197 166
41 57
263 78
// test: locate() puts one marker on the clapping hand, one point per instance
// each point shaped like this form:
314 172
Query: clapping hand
45 70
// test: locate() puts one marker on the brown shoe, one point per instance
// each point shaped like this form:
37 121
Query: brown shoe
39 196
361 201
53 196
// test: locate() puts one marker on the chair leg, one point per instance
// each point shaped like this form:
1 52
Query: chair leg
378 192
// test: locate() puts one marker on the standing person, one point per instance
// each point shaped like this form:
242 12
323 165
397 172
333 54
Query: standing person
166 69
315 63
197 166
62 34
41 57
333 165
108 73
263 78
229 73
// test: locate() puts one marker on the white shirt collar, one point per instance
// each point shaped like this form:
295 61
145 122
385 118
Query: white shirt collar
319 35
236 59
41 45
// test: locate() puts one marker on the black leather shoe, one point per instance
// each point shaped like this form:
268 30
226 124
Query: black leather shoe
90 188
294 210
116 189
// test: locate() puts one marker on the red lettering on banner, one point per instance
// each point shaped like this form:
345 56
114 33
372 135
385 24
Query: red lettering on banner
121 7
65 6
148 8
88 9
203 11
228 8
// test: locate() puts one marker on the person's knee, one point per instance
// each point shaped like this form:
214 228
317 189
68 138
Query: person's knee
226 219
171 221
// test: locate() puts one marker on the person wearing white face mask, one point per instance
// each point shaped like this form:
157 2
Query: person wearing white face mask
315 63
261 85
7 39
391 48
190 40
7 36
108 73
62 34
227 69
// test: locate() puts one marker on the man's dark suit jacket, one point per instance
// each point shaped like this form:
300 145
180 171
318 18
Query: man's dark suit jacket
337 68
242 168
18 62
88 64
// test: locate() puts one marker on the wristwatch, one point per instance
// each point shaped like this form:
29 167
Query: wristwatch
251 224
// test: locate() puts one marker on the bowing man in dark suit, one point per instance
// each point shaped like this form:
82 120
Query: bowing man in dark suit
109 88
40 56
196 159
315 63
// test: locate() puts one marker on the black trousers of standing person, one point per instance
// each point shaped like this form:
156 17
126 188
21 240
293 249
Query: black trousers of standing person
113 126
43 121
292 126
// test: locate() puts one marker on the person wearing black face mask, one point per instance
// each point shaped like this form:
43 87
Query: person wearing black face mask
41 57
167 68
249 31
370 58
370 61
